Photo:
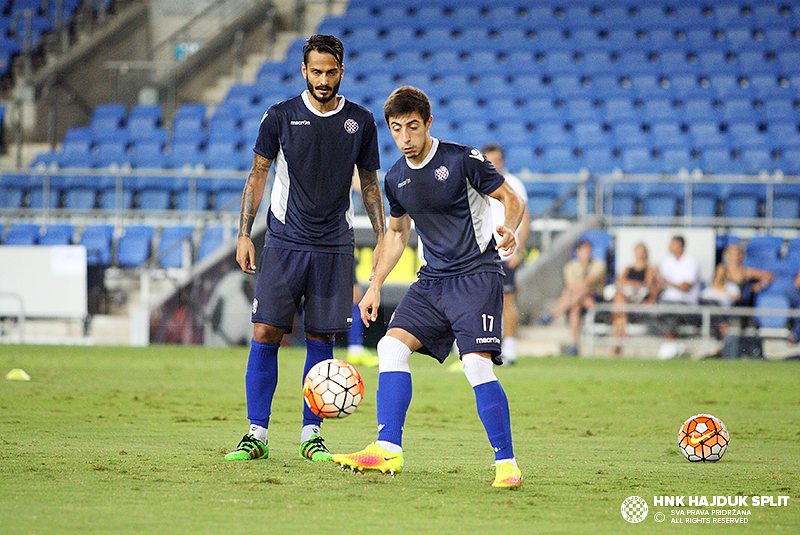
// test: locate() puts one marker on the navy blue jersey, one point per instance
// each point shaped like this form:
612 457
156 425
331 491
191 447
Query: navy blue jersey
314 155
446 196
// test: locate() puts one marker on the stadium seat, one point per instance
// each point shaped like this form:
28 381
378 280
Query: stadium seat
786 202
601 241
212 238
148 155
227 194
659 110
600 160
80 193
583 109
520 157
621 199
744 200
153 193
541 197
36 194
223 155
174 246
111 153
769 300
57 235
185 154
674 159
590 134
783 134
554 134
705 200
559 159
662 200
707 134
133 247
763 250
12 191
114 194
22 234
631 134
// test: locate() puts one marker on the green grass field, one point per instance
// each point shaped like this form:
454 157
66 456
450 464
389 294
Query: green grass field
131 441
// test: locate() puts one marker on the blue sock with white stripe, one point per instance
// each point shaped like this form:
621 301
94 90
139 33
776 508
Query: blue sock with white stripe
316 352
260 381
493 411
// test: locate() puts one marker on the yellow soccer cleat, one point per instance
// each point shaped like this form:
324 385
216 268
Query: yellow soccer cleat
507 475
373 457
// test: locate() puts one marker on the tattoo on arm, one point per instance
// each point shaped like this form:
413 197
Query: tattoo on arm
251 196
373 200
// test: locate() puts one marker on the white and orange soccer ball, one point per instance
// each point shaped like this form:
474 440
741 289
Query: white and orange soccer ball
703 437
333 389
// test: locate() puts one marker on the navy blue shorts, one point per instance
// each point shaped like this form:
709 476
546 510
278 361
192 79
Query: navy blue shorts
510 279
467 309
320 282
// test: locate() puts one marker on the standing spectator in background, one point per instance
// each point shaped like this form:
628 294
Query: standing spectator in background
494 153
584 280
634 285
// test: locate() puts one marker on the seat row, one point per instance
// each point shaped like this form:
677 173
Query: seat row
110 193
167 247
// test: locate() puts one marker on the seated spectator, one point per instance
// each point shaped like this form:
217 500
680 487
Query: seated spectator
793 295
734 285
584 279
635 285
677 282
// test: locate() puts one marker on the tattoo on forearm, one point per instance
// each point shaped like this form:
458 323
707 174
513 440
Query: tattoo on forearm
247 215
373 200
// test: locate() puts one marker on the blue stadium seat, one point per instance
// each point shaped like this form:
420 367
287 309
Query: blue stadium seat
520 157
740 109
60 234
699 109
81 193
189 197
763 250
590 134
133 247
601 241
36 194
757 159
12 191
707 134
224 128
223 155
505 109
174 245
609 86
705 200
786 202
541 109
685 86
717 61
227 194
783 134
661 109
153 193
513 133
464 109
112 197
188 128
769 300
648 86
600 160
620 109
622 198
554 134
746 134
780 109
719 160
476 133
790 161
541 197
669 134
111 153
640 160
630 134
148 155
212 238
744 200
185 154
674 159
582 109
662 200
22 234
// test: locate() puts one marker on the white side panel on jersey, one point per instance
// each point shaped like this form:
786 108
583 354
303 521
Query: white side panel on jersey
421 251
280 188
481 216
351 211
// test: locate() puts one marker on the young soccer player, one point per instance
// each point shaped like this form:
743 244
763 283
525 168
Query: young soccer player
316 140
444 187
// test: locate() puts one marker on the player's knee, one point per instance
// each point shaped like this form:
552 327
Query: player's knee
324 338
267 334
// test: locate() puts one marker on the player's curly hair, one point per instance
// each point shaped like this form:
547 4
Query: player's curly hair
327 44
406 100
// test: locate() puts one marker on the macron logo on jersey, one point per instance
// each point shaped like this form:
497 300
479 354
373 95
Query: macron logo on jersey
304 122
475 153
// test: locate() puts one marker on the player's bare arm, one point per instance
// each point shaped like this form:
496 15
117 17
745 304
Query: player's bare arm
372 196
394 244
514 206
251 201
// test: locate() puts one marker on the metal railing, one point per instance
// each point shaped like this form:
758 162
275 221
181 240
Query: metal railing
705 312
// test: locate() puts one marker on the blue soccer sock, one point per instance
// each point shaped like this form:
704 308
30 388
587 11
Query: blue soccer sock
260 381
493 410
316 352
393 398
355 339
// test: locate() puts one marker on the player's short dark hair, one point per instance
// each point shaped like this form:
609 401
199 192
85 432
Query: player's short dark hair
327 44
494 147
405 101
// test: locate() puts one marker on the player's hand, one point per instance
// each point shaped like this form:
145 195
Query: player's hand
246 255
508 243
369 305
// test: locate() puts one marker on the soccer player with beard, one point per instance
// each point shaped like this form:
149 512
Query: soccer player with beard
316 140
444 188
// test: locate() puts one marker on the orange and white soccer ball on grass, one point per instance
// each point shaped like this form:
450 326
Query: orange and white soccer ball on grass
703 437
333 389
